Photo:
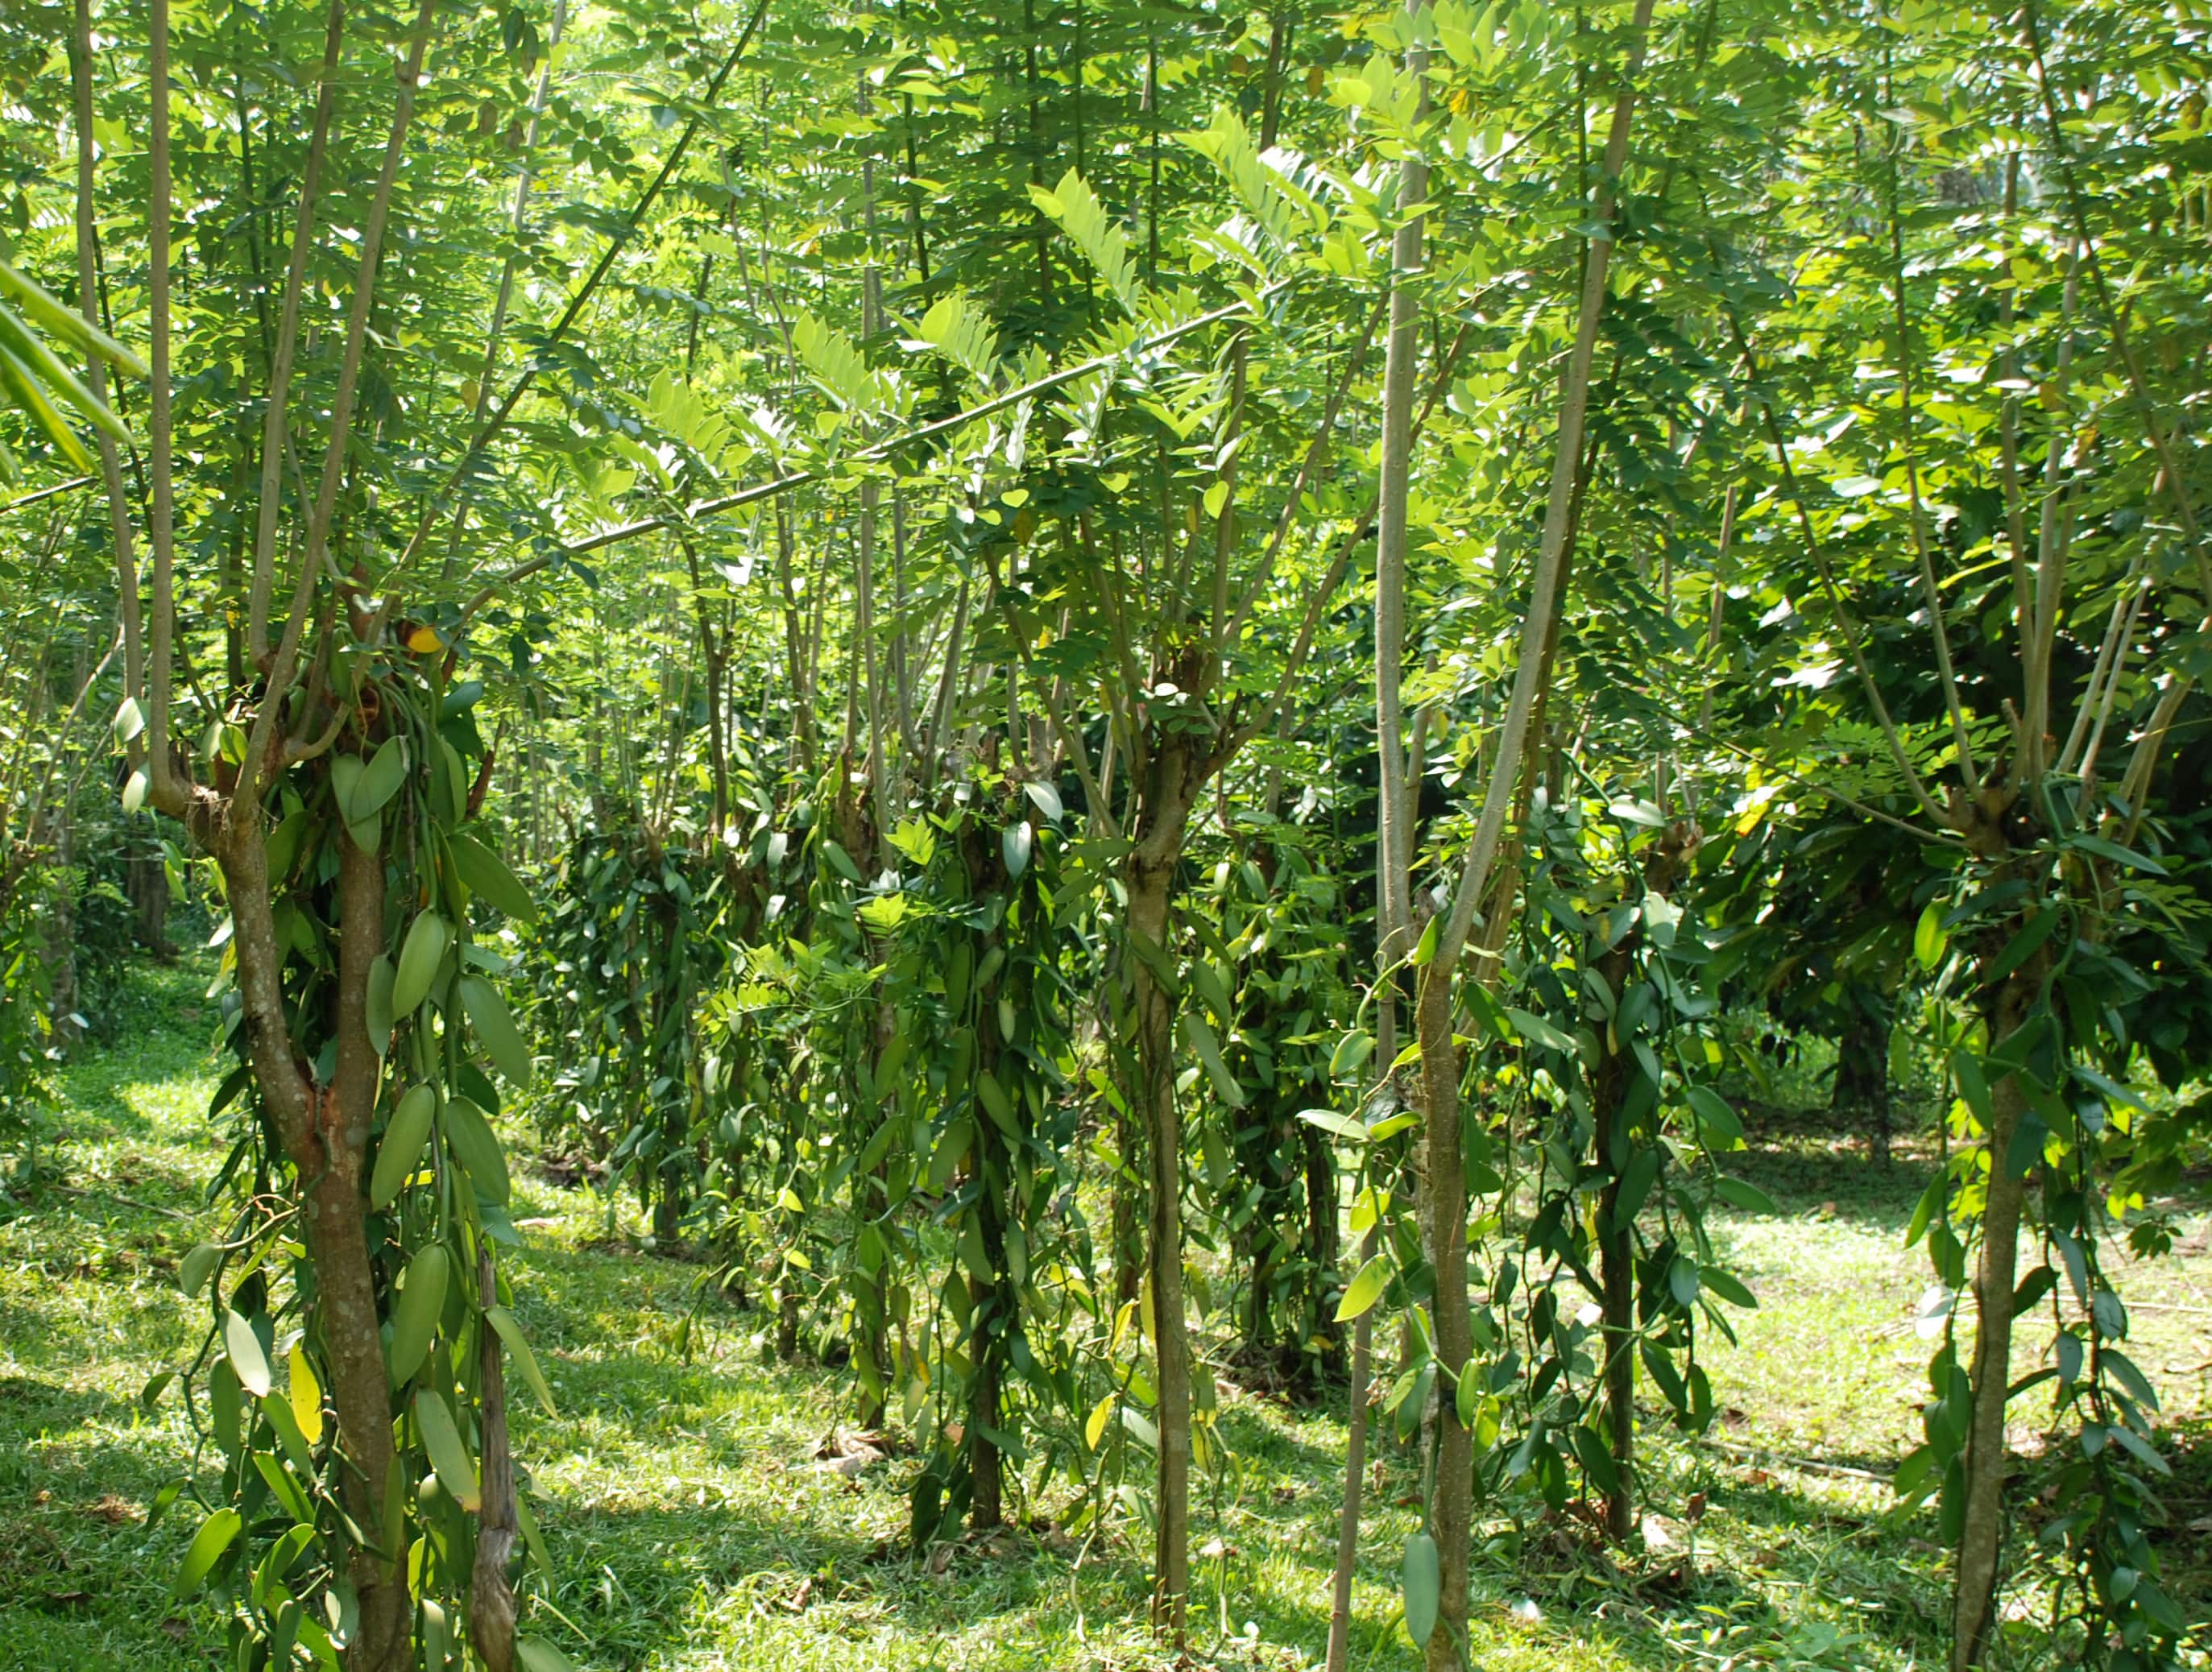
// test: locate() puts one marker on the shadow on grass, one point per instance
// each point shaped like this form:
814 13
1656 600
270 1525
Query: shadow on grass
1817 1169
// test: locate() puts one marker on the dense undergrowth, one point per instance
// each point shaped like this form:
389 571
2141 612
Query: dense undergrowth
696 1522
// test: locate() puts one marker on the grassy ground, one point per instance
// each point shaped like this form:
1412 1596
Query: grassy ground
690 1531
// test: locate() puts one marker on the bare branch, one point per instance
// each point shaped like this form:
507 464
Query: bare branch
274 413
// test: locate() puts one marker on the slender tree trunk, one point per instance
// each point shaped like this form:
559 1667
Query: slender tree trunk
61 921
872 1358
1174 778
1154 1106
1452 1512
1981 1543
1440 1063
1355 1472
1861 1093
1616 1276
325 1130
491 1598
1131 1146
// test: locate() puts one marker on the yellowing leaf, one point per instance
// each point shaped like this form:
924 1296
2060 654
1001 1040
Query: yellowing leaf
307 1398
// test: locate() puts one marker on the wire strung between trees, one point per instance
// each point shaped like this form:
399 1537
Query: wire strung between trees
875 454
45 493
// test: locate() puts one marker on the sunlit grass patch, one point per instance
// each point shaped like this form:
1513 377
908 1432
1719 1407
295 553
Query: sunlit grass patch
693 1532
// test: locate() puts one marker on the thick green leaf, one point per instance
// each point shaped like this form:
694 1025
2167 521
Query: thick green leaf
1682 1280
496 1030
420 955
473 1143
996 1102
1538 1031
207 1547
1343 1126
1212 988
2023 945
377 1013
1352 1050
247 1358
378 782
1364 1290
840 860
2117 854
1421 1577
510 1332
488 878
1929 937
1739 1193
449 1457
193 1271
1729 1287
415 1318
536 1655
1974 1085
1208 1050
1597 1463
401 1146
1716 1121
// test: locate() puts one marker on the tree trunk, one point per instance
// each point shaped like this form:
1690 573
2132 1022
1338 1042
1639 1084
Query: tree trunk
147 884
1617 1274
491 1598
1981 1541
325 1130
1150 876
1861 1093
1321 1242
1355 1470
61 924
1452 1511
1616 1270
1129 1240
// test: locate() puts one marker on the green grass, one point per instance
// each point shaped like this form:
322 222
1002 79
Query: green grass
690 1532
